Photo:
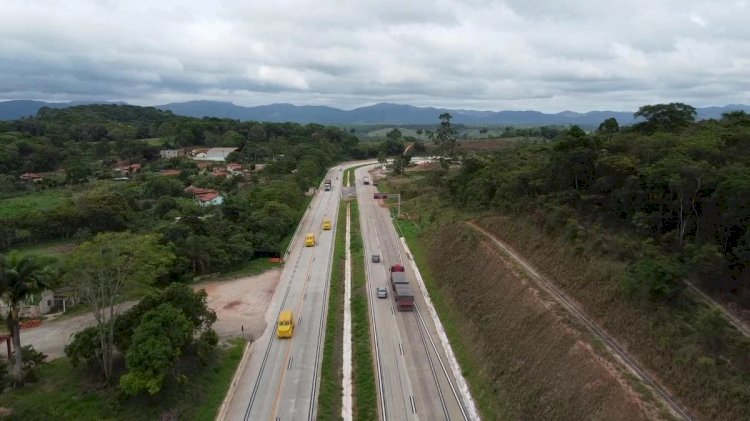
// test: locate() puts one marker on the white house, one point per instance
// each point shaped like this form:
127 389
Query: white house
209 199
214 154
170 153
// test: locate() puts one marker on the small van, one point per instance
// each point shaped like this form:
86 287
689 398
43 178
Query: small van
326 224
310 240
285 325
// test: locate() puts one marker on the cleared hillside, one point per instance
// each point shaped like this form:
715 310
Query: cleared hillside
529 360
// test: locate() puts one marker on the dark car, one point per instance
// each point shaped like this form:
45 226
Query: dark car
375 258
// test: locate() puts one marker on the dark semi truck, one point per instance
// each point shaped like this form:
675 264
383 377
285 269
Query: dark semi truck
402 292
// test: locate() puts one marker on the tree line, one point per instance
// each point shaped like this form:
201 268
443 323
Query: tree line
676 188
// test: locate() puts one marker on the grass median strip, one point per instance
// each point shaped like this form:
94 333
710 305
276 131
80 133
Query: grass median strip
329 398
365 397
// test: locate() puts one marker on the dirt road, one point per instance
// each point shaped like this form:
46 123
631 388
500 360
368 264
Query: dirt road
238 303
51 336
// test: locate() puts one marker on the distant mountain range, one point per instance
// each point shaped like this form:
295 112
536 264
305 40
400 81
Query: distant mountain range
383 113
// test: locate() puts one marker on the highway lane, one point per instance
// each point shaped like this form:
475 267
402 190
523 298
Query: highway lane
281 378
415 380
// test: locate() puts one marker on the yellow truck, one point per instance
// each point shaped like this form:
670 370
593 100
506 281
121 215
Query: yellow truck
285 325
310 240
326 224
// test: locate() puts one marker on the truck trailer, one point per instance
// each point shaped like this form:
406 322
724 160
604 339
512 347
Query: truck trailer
398 278
404 297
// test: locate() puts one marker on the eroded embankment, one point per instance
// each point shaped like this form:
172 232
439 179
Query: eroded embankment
526 353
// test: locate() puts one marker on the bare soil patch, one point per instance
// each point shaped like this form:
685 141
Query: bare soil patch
240 304
52 336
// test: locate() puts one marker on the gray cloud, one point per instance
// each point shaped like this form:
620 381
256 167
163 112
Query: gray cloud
512 54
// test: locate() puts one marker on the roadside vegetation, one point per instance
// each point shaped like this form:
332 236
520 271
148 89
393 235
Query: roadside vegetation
365 395
329 398
98 214
618 218
63 392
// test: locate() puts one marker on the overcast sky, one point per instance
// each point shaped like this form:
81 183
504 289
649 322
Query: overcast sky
548 55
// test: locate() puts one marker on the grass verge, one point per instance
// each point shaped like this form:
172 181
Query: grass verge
365 396
329 398
67 393
482 390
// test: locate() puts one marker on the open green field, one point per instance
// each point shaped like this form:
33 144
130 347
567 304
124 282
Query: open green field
33 202
67 393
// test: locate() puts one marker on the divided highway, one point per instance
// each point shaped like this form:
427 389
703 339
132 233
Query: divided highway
414 380
280 380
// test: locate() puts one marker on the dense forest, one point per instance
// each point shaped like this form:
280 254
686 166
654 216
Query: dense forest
678 192
59 138
77 148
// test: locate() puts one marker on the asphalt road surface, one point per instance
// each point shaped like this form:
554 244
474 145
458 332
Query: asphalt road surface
281 378
414 380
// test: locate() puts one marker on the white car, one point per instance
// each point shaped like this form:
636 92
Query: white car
382 292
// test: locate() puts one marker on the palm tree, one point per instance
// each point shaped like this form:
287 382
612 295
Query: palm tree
19 277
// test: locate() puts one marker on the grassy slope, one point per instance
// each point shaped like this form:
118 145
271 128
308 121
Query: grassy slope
329 398
40 201
522 355
67 393
677 342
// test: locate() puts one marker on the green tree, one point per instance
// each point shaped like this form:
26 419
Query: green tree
157 186
394 135
77 170
658 278
398 166
108 267
157 343
381 157
668 117
20 276
256 133
104 209
445 138
609 127
200 250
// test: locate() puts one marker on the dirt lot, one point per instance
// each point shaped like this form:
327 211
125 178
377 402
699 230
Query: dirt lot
241 302
51 336
237 303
